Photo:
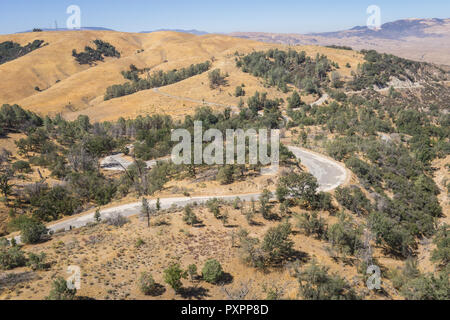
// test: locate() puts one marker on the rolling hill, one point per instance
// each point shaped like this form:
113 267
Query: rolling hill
69 88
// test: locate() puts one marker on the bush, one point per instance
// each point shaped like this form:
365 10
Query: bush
312 224
427 287
345 235
441 254
353 199
239 92
189 216
216 79
37 261
32 232
117 220
212 271
317 284
294 101
276 244
147 284
12 258
226 174
21 166
173 275
60 290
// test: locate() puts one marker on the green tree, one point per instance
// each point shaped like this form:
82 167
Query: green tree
216 79
277 244
264 202
5 186
294 101
32 232
239 92
212 271
300 187
173 275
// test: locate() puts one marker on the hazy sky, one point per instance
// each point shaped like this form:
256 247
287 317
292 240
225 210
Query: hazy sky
295 16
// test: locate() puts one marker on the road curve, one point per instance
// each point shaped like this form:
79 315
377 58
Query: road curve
329 174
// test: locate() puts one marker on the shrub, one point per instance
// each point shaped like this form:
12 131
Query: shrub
427 287
21 166
226 174
60 290
317 284
173 275
312 224
116 220
294 101
192 271
353 199
189 216
216 79
12 258
212 271
441 254
37 261
276 244
239 92
147 284
32 232
345 235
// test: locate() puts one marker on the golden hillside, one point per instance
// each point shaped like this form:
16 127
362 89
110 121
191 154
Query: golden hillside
73 89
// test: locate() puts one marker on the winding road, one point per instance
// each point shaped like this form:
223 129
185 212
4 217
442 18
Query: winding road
330 175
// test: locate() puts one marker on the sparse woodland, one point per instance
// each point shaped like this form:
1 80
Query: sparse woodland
388 140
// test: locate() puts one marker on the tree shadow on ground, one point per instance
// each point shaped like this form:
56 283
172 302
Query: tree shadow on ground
194 293
226 278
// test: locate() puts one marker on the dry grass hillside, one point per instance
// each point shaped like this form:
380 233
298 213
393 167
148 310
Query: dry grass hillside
73 89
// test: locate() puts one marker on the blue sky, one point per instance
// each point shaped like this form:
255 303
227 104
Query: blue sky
296 16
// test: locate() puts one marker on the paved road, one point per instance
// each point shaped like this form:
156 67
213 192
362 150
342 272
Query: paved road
322 99
117 162
330 175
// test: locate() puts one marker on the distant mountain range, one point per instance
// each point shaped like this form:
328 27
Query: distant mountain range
417 39
193 31
65 29
393 30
